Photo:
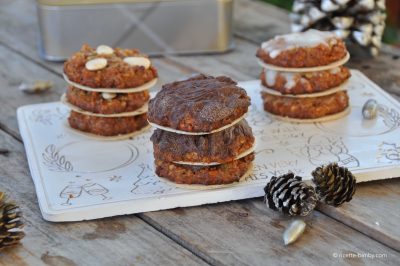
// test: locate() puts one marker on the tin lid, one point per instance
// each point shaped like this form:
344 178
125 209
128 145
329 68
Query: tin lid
94 2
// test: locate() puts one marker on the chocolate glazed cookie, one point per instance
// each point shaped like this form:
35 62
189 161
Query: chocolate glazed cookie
220 147
199 104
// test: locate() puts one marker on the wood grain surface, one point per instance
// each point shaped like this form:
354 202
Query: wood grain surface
236 233
125 240
247 233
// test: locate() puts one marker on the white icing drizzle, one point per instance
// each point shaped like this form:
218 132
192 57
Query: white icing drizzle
104 49
270 77
335 70
310 38
292 77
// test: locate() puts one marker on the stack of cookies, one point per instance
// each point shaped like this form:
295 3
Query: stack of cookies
108 91
303 77
201 136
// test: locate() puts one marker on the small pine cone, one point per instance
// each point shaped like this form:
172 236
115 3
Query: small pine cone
361 22
10 223
334 184
288 194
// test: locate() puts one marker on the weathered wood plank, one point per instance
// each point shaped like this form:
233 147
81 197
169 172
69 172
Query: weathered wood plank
14 71
247 233
114 241
363 211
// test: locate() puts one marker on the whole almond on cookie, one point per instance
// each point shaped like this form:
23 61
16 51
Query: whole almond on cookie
96 64
138 61
104 49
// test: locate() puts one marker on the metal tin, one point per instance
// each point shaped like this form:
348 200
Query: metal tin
154 27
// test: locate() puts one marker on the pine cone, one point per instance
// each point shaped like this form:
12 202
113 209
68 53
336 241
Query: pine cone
288 194
10 223
334 184
360 21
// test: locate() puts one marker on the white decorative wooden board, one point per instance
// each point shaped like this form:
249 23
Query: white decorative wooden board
78 178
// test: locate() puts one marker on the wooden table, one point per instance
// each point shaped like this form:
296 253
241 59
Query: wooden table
242 232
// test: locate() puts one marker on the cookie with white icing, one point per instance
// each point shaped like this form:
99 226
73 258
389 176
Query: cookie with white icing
312 48
296 83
